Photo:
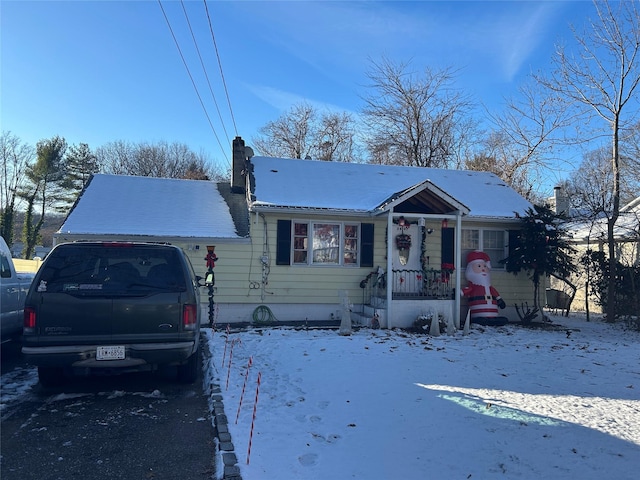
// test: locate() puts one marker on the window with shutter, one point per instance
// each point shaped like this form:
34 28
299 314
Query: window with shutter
305 242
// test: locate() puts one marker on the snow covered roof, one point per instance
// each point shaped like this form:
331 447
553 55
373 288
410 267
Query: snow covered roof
367 188
131 205
627 226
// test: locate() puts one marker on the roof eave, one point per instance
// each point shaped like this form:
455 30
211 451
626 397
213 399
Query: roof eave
291 209
491 218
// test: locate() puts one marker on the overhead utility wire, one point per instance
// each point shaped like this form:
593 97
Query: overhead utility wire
220 65
205 71
194 84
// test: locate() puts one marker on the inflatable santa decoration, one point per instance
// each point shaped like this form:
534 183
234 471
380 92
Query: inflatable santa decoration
483 299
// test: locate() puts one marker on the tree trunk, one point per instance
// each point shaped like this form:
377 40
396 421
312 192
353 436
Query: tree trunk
27 230
7 220
615 213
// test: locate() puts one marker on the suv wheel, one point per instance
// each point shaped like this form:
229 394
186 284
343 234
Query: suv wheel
50 376
188 372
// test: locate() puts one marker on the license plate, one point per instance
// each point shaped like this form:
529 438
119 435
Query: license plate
112 352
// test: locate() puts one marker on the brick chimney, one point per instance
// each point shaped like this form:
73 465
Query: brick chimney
561 201
239 171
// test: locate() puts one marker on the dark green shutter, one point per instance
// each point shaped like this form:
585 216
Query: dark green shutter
366 245
283 243
448 249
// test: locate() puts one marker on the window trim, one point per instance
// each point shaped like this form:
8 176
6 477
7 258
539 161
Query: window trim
311 229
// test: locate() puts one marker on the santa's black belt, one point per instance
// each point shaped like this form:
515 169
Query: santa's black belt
483 297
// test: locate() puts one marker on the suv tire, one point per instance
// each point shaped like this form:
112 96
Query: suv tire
50 376
188 372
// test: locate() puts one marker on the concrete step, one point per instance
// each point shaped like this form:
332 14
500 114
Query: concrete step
364 314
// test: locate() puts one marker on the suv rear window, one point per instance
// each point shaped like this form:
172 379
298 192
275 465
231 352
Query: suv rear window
114 270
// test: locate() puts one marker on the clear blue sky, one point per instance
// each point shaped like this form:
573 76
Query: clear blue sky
100 71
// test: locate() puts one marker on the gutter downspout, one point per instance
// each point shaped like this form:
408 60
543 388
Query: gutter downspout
458 263
389 268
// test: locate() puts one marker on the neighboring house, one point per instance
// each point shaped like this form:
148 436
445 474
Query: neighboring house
296 236
592 234
39 250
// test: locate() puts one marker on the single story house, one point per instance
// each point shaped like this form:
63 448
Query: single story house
295 237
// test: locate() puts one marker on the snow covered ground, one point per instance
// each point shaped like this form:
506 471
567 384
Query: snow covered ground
504 402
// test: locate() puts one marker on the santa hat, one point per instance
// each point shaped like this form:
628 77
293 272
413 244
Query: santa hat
478 255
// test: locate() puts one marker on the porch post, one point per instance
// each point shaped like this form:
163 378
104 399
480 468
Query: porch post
458 263
389 267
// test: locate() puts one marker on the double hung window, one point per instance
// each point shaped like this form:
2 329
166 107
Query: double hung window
322 243
306 242
491 242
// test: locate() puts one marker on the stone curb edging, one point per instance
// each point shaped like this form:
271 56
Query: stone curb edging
231 470
221 430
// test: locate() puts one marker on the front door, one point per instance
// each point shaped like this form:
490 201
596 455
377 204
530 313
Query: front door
407 268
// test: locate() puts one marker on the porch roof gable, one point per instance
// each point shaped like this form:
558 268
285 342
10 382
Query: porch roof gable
424 197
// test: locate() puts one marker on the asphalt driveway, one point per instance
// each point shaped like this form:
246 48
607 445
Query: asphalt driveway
134 426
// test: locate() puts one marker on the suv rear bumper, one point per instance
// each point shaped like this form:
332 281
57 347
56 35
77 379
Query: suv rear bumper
136 354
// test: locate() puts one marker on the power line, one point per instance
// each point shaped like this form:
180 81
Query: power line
194 84
205 71
215 46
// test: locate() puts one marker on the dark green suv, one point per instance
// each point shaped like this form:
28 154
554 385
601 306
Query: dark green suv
112 307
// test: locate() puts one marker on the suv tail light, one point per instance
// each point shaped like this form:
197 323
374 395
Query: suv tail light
189 316
116 244
29 319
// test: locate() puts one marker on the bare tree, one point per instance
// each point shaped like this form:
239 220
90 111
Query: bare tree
304 132
630 164
14 159
501 157
335 138
413 119
588 187
525 138
589 191
602 83
115 157
289 136
164 160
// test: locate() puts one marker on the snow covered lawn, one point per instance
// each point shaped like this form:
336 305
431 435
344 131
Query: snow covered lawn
504 402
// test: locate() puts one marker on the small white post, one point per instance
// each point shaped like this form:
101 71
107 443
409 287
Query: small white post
456 316
345 322
435 325
451 328
467 321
